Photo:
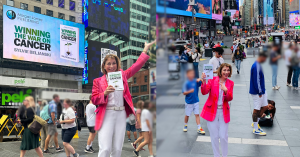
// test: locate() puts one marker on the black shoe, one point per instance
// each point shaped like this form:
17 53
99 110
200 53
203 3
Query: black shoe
46 151
59 149
91 148
76 155
88 150
238 72
136 153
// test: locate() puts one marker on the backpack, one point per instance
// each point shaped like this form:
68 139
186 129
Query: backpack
44 113
131 119
190 59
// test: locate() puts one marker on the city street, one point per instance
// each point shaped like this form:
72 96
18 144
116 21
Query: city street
12 149
282 140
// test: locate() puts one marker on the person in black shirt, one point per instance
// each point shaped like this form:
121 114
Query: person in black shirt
268 116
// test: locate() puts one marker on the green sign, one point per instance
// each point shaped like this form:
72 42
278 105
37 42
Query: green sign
19 82
297 27
15 98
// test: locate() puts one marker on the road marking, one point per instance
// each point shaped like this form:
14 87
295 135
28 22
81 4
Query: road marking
295 107
202 59
247 141
240 85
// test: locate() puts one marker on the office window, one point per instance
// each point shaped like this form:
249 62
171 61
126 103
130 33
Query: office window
49 12
37 9
138 26
72 18
124 63
139 8
144 88
139 17
133 24
72 5
24 6
133 15
144 9
38 0
10 2
61 3
133 43
146 78
134 80
61 16
135 89
50 2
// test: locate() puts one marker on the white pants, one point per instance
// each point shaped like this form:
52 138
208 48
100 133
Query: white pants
112 133
218 129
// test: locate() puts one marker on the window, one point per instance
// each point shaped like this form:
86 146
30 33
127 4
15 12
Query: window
133 15
49 12
50 2
24 6
144 88
134 60
133 43
61 3
38 0
135 89
61 16
125 65
133 6
139 17
72 5
134 80
144 9
146 78
72 18
139 8
10 2
138 26
37 9
134 53
133 24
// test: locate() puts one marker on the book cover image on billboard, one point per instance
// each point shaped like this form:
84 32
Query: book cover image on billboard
39 38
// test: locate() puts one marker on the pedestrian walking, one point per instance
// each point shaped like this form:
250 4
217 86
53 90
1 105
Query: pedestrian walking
217 60
235 46
274 57
139 106
258 92
111 114
130 126
216 109
90 121
183 61
238 56
295 62
68 125
29 139
45 116
196 59
147 128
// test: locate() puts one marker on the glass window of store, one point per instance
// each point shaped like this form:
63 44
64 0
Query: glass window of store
37 9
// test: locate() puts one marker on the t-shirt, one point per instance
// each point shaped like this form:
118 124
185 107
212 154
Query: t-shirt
68 114
137 125
192 97
206 45
273 55
220 100
90 115
52 108
146 115
287 55
216 62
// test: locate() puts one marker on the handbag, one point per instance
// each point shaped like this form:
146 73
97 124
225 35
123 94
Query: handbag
36 125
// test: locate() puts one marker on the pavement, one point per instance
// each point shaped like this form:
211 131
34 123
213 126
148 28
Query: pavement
12 149
282 140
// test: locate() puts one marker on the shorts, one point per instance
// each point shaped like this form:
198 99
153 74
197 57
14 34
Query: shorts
189 108
130 127
139 130
260 102
68 134
52 129
92 129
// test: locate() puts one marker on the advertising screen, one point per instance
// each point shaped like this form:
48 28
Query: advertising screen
96 53
217 10
39 38
294 20
181 7
110 16
268 9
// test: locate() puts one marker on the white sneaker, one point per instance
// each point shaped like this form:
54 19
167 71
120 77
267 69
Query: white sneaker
296 88
273 88
289 85
277 87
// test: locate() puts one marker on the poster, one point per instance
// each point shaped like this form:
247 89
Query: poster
69 43
105 52
294 20
217 10
268 10
115 79
208 70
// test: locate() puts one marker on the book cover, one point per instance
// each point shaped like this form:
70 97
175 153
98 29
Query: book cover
115 79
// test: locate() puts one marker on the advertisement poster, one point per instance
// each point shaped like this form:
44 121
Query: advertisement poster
153 93
152 76
105 52
39 38
115 79
294 20
217 9
268 10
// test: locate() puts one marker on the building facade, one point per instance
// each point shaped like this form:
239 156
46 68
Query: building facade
140 86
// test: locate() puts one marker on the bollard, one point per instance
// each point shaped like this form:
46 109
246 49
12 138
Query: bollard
76 135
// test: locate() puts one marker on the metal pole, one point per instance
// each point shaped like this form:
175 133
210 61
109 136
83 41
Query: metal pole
193 40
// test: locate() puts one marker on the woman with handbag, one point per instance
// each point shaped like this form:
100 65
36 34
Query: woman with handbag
238 56
29 139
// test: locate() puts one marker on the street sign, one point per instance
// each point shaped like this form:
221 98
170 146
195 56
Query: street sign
297 27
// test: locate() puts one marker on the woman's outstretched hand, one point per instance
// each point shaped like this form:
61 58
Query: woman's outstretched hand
147 46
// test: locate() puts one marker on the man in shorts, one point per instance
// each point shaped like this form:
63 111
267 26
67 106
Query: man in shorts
190 90
90 120
258 92
130 126
52 128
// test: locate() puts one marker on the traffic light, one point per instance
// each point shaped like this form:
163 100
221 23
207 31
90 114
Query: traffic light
195 19
196 33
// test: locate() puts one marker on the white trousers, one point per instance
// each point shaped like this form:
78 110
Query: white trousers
112 133
218 129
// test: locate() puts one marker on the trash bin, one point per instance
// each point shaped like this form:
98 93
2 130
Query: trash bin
208 52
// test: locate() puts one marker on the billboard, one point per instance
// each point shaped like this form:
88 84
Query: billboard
39 38
181 7
268 9
96 53
217 9
111 16
294 20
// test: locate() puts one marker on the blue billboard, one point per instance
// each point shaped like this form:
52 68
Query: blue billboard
268 10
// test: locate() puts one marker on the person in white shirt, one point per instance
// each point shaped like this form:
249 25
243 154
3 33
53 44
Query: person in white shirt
147 127
90 121
217 60
68 125
287 56
206 45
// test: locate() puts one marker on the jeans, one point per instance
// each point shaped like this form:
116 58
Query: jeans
238 64
196 69
183 68
295 76
290 72
274 74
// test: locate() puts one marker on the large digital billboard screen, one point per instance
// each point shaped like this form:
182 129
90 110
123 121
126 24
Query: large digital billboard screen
268 10
33 37
217 9
181 7
294 20
108 15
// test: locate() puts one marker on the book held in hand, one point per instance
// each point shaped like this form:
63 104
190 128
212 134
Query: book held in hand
115 79
208 70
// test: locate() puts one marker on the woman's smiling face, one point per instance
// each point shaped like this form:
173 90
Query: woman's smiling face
111 65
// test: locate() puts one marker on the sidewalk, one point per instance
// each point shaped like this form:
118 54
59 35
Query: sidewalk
12 149
282 140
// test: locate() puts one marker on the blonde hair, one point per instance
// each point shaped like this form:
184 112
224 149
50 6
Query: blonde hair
30 101
139 104
222 66
113 57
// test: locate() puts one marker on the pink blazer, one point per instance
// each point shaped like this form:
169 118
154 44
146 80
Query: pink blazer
210 107
100 85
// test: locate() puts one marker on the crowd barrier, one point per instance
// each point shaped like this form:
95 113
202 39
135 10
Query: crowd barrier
7 126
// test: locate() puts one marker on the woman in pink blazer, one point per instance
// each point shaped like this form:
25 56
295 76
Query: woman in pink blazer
114 106
216 110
